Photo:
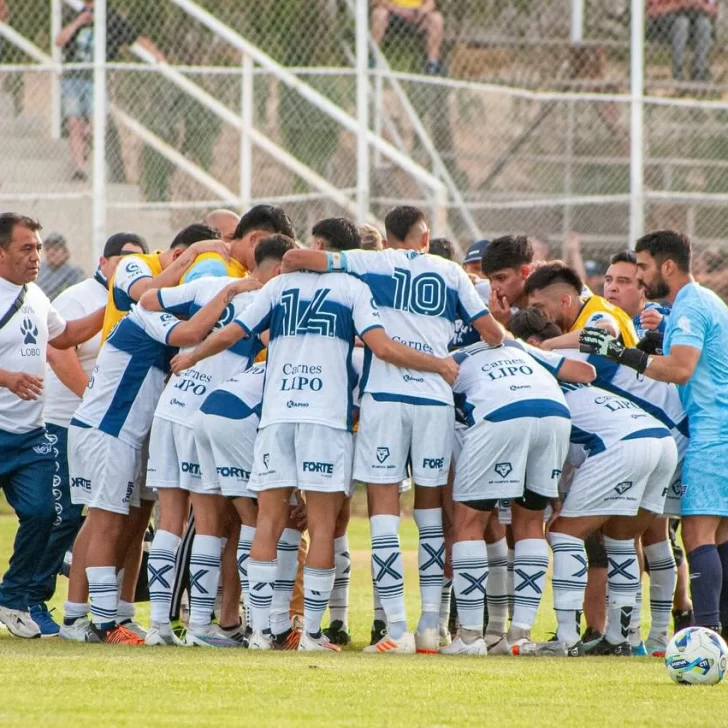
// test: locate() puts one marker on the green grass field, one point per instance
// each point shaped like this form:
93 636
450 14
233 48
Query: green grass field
50 683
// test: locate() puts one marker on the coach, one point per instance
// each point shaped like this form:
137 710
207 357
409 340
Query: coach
696 359
28 323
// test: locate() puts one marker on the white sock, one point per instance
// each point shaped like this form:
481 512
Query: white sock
445 597
339 600
470 572
569 584
530 565
431 564
204 578
120 578
124 611
635 622
218 595
247 533
161 573
287 557
103 594
496 588
262 576
317 586
74 610
388 569
663 579
509 582
623 581
376 601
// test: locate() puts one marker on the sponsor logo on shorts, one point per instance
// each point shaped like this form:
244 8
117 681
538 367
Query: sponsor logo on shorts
266 460
382 454
312 466
623 487
555 474
503 469
192 468
678 488
433 463
231 472
82 483
129 491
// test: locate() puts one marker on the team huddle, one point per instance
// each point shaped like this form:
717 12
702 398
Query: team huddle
251 382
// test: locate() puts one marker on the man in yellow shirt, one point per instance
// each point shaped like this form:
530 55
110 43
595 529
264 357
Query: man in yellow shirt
422 14
557 289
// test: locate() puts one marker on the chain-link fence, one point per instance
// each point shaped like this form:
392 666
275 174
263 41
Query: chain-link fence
497 116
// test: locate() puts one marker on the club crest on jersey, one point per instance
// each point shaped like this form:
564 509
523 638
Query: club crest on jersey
623 487
503 469
382 454
29 331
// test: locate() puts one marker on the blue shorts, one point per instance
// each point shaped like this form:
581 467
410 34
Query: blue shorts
77 97
705 480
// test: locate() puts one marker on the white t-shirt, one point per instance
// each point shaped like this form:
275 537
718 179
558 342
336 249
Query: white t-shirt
23 347
506 382
600 419
129 377
75 302
131 269
420 297
313 320
184 394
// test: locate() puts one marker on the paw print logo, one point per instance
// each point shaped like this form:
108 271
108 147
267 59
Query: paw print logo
30 331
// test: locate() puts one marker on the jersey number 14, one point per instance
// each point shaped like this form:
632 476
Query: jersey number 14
302 317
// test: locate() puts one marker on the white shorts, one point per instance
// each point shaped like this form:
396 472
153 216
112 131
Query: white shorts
630 475
393 434
458 436
305 456
673 497
105 472
500 459
225 448
173 461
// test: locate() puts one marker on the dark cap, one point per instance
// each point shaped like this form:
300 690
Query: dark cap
475 251
117 241
55 240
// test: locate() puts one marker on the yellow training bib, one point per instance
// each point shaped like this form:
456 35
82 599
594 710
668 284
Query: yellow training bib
597 304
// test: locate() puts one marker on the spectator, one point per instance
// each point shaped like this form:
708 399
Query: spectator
224 221
420 14
77 40
442 247
473 260
371 238
681 21
57 274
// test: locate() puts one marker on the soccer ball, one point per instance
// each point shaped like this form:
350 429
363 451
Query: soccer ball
696 656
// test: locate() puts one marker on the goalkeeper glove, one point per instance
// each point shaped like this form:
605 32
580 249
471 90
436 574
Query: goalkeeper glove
598 341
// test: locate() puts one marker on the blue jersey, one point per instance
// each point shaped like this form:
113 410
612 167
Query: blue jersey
699 319
651 305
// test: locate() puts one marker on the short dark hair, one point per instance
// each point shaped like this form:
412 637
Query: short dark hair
339 233
443 248
399 221
273 247
624 256
8 223
268 218
667 245
555 272
508 251
194 233
533 321
115 244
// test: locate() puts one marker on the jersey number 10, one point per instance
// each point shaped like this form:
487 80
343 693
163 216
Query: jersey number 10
424 294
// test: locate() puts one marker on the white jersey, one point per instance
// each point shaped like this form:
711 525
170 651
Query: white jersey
23 347
600 419
184 394
507 382
659 399
131 269
238 397
465 334
75 302
129 377
420 297
313 320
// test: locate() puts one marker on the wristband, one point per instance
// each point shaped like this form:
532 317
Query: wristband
336 263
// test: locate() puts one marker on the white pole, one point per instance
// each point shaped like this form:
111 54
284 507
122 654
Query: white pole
246 142
362 108
577 21
57 55
99 128
378 114
637 89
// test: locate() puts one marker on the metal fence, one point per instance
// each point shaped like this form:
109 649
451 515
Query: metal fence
558 118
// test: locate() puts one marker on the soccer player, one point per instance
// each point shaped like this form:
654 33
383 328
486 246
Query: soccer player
625 458
105 441
174 466
307 402
696 339
472 262
407 416
67 380
515 447
28 324
224 221
557 289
